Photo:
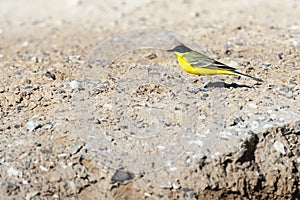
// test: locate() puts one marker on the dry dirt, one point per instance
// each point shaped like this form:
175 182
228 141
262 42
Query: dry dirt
75 127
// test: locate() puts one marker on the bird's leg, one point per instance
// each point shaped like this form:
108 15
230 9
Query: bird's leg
203 87
207 82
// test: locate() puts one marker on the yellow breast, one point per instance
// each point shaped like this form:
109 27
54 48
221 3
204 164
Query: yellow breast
185 65
199 70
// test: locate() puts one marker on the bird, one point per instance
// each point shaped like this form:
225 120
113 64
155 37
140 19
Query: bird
197 63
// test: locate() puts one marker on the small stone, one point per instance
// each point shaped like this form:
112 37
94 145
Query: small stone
30 195
252 105
165 184
73 84
33 125
50 75
73 58
189 193
279 147
266 64
146 194
17 73
122 176
34 59
25 44
47 126
176 185
298 160
24 182
244 63
42 168
62 155
72 185
2 89
240 42
13 172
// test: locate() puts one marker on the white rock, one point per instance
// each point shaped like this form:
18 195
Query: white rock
161 148
62 155
73 84
24 182
72 185
30 195
279 147
42 168
13 172
32 125
176 185
146 194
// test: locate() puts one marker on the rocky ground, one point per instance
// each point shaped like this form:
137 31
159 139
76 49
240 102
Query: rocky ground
85 119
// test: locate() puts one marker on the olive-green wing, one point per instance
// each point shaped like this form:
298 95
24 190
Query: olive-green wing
197 59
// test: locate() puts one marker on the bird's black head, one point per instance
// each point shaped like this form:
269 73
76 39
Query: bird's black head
180 49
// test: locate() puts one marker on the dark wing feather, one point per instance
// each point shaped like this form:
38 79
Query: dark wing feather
197 59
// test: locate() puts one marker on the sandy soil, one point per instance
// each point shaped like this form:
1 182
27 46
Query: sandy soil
81 119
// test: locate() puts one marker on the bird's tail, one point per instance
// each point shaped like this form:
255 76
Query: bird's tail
247 76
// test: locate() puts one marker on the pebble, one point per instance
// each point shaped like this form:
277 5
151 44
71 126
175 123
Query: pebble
50 75
34 59
73 84
30 195
13 172
42 168
25 44
188 192
73 58
244 63
279 147
47 126
122 176
165 184
176 185
33 125
298 160
72 185
252 105
62 155
146 194
266 64
2 89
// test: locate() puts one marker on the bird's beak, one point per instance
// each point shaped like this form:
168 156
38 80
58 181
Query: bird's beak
170 50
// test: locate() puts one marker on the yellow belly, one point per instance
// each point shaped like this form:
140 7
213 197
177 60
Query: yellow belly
199 70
